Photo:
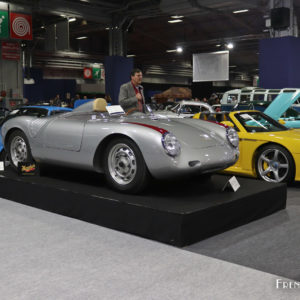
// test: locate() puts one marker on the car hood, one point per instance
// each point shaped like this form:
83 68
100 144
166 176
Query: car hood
280 104
189 132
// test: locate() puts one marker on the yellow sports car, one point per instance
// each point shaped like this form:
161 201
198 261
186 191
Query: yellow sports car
268 150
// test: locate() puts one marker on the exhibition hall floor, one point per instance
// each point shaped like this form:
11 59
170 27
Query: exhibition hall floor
49 256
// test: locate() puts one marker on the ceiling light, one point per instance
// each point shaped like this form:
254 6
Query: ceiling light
107 28
43 27
230 46
84 0
72 19
175 21
81 37
63 16
172 50
240 11
232 66
218 45
130 55
179 49
176 17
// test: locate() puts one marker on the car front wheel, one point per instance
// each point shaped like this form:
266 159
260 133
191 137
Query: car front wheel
18 149
124 166
275 164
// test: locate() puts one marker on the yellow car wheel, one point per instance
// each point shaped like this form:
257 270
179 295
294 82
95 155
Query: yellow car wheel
275 164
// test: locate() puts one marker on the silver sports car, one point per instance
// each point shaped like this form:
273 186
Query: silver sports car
184 109
128 149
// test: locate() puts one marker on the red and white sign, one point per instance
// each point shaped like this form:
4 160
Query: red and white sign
10 50
88 73
20 26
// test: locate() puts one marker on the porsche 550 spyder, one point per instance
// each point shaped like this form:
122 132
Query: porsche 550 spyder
128 149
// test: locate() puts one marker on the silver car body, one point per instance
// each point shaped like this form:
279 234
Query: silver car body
184 109
78 139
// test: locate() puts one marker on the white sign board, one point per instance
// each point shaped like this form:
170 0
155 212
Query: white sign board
115 110
212 66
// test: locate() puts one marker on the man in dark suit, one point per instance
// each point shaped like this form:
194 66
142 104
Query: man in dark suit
131 96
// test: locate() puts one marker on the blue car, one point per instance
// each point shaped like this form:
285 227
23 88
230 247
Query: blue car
32 110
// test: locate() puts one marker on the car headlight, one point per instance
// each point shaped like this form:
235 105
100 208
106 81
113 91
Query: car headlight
171 144
232 137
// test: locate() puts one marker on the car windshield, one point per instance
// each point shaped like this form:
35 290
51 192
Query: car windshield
258 122
57 112
189 109
172 107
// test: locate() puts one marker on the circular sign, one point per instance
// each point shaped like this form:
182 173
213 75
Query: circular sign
87 72
20 26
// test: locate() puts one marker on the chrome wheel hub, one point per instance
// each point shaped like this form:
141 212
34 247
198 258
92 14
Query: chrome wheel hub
273 165
122 164
18 150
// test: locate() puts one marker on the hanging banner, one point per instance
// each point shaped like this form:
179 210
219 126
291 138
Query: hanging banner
212 66
20 26
3 24
10 51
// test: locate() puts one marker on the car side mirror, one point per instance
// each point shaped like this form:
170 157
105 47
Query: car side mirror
228 123
281 121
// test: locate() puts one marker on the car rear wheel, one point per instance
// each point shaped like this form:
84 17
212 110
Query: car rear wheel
275 164
124 166
18 149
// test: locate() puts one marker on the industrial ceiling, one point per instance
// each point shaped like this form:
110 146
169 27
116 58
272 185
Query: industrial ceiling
207 25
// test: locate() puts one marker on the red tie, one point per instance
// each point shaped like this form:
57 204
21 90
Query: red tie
140 102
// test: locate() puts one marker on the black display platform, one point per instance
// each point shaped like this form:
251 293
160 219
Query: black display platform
177 213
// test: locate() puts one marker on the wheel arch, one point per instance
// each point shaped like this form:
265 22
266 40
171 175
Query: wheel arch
98 160
270 144
9 133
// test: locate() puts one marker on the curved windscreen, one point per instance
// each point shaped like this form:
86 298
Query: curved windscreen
258 122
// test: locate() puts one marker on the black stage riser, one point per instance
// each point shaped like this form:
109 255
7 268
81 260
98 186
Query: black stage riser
180 222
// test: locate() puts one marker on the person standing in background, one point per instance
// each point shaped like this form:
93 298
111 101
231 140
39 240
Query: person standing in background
131 96
56 101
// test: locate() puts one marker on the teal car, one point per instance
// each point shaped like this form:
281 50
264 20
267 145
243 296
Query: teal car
280 105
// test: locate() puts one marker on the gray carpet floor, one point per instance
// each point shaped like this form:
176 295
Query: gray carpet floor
271 244
48 256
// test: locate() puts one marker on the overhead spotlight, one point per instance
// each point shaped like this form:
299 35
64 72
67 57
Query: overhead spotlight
42 26
240 11
171 50
81 37
107 28
179 49
175 21
72 19
230 46
176 17
218 45
130 55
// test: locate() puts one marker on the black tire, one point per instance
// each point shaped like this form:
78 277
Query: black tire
281 163
124 166
25 152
